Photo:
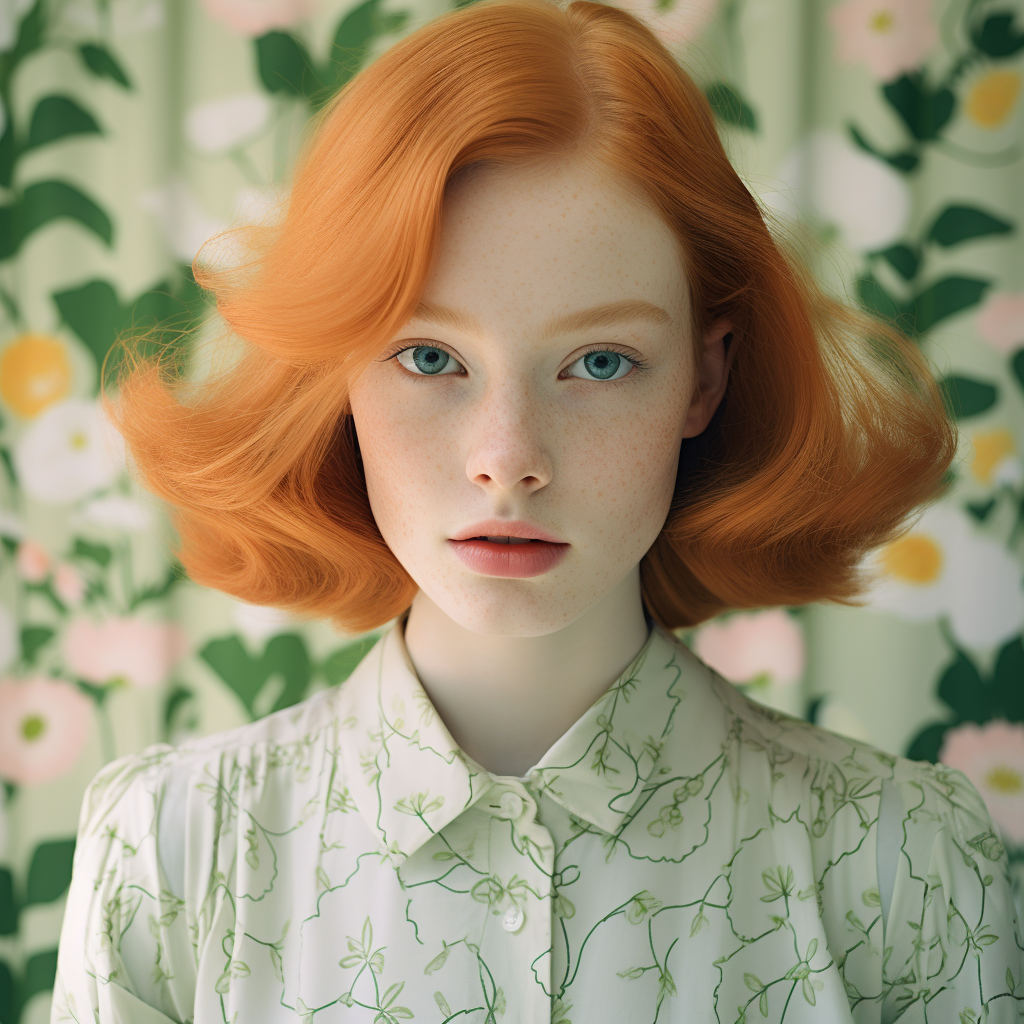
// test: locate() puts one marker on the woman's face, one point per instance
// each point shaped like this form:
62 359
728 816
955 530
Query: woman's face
484 407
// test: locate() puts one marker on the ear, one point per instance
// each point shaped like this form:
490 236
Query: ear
713 364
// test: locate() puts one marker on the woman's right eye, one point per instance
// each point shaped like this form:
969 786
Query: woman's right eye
425 360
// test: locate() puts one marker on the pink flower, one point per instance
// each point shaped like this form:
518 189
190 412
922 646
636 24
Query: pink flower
890 36
32 561
44 724
68 583
256 17
992 757
763 645
1001 321
680 21
131 650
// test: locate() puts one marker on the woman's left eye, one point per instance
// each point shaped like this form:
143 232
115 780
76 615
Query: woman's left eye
428 361
600 365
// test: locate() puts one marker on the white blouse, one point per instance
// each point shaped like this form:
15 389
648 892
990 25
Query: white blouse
680 854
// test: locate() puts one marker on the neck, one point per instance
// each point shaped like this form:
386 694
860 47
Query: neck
506 699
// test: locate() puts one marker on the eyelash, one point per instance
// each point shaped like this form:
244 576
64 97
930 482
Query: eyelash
638 363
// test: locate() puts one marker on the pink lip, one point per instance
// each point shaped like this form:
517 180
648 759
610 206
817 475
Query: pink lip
506 528
515 561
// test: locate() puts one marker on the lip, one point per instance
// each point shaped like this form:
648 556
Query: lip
506 528
512 561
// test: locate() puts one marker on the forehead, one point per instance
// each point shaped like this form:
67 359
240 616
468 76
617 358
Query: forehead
534 244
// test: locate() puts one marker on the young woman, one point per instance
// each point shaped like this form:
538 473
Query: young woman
526 373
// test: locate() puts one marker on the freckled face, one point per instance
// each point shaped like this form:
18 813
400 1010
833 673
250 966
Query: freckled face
577 431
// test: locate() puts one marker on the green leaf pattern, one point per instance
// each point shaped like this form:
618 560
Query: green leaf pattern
92 120
761 903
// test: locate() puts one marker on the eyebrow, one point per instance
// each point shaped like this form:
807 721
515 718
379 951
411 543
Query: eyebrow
605 315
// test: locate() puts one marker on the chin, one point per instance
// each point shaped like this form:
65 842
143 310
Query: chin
504 608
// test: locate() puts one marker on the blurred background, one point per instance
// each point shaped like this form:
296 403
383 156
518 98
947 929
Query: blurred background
886 135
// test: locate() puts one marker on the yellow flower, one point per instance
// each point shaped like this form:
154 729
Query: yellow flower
992 98
34 372
916 558
943 568
991 447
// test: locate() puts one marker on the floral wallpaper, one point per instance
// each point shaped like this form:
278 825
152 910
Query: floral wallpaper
885 134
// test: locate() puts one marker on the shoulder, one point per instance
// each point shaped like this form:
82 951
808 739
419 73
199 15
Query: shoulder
934 798
290 742
941 806
933 806
762 735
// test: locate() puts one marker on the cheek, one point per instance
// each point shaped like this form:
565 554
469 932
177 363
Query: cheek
622 465
400 462
381 449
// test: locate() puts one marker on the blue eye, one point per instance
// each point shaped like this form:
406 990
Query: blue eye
427 360
601 365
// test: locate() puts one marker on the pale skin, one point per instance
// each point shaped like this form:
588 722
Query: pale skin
517 428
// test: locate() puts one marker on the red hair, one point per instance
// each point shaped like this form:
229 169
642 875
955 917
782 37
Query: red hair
832 429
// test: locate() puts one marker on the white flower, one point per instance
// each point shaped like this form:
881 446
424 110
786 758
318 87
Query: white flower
116 510
184 223
826 175
69 451
942 568
259 622
220 125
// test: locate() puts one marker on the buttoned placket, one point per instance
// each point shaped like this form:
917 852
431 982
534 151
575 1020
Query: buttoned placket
522 853
423 783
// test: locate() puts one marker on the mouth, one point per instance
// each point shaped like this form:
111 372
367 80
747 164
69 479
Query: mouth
509 540
509 557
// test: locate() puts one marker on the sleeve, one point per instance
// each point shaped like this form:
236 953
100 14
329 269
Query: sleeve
953 949
125 956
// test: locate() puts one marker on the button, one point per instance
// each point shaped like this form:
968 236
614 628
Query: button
511 805
513 919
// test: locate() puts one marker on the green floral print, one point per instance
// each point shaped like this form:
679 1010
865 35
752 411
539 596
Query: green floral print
680 854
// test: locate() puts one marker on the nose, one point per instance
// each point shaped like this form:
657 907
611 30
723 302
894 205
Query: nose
510 448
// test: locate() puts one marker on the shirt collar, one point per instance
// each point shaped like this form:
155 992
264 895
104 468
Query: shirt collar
409 779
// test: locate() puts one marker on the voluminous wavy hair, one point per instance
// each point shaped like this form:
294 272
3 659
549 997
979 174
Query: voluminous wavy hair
831 433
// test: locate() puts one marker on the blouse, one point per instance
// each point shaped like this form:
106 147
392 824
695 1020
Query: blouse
680 854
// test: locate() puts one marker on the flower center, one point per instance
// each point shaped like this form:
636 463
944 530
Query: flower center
1004 780
914 559
991 100
990 448
33 727
78 440
882 22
